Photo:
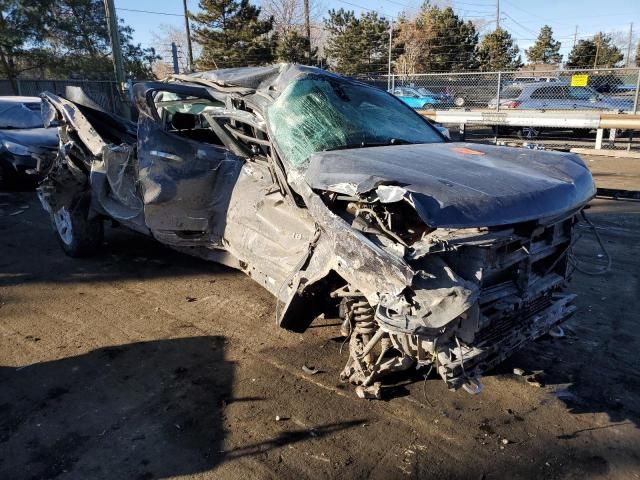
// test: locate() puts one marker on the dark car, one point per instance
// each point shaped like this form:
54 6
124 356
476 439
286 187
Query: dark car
339 199
23 139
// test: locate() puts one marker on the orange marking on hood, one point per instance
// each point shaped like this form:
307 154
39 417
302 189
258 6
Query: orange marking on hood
466 151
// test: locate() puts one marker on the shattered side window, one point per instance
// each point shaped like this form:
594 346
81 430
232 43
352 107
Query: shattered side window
315 114
181 115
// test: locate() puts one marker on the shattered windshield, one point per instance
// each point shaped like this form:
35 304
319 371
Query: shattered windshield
316 114
20 115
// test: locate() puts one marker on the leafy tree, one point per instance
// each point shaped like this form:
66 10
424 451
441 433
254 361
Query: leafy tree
293 47
638 55
356 45
498 51
21 32
78 40
545 49
438 40
64 38
232 34
596 52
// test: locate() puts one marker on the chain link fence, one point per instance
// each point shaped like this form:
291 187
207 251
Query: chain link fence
104 92
547 90
601 90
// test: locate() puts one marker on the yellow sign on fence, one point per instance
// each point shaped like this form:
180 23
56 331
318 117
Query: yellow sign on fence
579 80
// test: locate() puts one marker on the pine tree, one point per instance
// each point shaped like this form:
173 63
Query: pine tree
232 34
79 43
21 32
497 51
357 45
437 41
545 49
597 52
292 47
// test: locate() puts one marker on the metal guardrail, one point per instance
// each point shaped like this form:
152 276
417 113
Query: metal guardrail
531 120
555 119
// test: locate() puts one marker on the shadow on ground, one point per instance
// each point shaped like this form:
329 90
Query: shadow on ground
29 251
143 410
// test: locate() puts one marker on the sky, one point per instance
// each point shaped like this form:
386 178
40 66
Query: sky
522 18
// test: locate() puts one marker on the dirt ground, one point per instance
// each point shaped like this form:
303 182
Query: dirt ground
144 363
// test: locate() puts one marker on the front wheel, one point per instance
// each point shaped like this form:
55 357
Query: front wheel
77 234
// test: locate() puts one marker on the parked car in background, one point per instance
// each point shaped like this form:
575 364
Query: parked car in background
531 79
414 98
444 99
23 139
557 96
337 198
606 83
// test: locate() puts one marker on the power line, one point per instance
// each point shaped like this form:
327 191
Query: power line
365 8
150 11
519 24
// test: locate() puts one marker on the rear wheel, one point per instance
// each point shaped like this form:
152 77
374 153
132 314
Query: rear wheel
77 234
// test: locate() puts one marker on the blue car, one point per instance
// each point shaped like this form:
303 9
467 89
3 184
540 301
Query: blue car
413 98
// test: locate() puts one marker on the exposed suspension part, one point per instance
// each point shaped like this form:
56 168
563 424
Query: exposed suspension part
369 345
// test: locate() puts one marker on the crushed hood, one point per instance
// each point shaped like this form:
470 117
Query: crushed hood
461 185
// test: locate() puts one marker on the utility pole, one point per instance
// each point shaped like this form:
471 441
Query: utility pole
188 30
307 30
595 60
497 14
628 62
116 54
114 36
575 36
390 47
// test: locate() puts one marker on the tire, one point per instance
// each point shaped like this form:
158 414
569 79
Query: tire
459 101
78 235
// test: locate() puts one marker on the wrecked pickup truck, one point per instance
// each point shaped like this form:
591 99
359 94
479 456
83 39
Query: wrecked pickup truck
338 199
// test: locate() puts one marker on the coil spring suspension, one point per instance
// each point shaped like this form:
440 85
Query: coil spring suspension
362 315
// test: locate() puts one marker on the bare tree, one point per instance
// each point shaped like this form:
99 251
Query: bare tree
162 40
288 15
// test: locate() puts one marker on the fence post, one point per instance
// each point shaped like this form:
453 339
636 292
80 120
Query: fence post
18 86
498 94
635 99
599 135
114 107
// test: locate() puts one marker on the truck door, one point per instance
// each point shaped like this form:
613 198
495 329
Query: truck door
186 175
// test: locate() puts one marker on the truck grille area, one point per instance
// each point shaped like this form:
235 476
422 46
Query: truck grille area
521 279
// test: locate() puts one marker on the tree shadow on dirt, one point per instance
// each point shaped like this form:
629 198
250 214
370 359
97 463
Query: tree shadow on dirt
143 410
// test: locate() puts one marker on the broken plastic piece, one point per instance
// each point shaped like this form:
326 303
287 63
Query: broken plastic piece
472 386
372 392
310 370
556 332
